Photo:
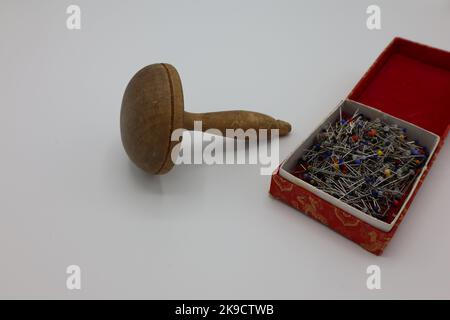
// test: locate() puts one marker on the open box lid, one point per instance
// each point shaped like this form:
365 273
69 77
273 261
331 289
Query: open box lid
410 81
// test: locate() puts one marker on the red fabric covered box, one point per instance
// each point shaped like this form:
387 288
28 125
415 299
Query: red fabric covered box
408 85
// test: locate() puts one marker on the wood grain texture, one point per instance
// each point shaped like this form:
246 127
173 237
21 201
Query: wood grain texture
152 107
235 119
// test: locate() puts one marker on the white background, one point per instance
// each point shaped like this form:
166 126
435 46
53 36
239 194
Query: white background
69 194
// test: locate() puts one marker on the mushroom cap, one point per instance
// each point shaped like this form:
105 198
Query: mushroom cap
152 107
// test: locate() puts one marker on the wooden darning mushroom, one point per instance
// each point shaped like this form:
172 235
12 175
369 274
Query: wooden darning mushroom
152 107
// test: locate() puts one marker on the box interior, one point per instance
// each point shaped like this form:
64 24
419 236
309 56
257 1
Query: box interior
410 81
424 137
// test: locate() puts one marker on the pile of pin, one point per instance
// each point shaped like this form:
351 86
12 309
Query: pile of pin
367 164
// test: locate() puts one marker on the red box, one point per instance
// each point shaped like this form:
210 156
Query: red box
408 81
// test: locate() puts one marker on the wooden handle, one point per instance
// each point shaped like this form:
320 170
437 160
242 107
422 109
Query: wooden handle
237 119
